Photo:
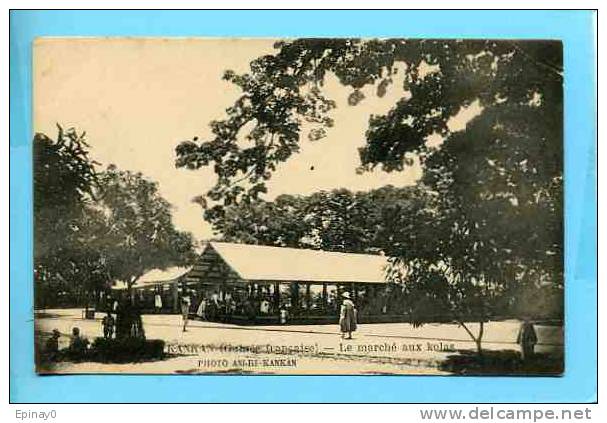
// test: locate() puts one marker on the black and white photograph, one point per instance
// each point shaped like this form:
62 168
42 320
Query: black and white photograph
298 206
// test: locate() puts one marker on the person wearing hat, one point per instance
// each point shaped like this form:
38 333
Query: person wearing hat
347 316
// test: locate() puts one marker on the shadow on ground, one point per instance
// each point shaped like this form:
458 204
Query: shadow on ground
110 351
505 363
47 315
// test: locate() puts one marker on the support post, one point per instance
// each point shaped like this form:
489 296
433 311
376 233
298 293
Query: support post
277 297
295 296
175 289
308 298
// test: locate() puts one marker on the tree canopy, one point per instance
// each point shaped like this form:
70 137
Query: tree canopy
64 180
505 167
64 177
381 220
495 219
139 233
284 90
93 227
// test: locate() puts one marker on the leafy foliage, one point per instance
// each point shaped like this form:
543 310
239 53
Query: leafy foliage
139 231
495 220
339 220
64 180
91 228
440 78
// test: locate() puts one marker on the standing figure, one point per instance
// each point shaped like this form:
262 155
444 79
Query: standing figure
121 323
527 339
347 316
135 319
213 307
230 306
202 309
250 310
157 302
109 302
108 325
284 315
185 309
264 307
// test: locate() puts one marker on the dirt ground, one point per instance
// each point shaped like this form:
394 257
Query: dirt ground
208 347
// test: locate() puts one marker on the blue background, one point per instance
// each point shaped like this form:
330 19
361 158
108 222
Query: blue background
575 28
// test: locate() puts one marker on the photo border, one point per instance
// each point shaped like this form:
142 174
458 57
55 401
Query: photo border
576 28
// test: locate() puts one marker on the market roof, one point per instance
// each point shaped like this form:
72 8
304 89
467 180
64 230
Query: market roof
159 276
264 263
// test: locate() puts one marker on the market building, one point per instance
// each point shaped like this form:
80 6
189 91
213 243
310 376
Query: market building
257 284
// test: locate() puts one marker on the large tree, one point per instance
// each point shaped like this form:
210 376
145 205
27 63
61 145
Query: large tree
64 180
497 218
139 233
90 227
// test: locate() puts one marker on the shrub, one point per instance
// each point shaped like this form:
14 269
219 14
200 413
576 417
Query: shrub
506 362
126 349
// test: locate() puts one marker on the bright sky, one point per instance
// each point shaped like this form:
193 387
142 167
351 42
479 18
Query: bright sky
138 98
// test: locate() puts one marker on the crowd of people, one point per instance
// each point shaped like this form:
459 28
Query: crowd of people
223 306
128 321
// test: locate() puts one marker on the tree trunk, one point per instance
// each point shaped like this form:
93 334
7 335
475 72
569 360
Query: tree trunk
128 316
129 286
479 339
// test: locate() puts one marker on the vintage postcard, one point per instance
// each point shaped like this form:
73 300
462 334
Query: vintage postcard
331 206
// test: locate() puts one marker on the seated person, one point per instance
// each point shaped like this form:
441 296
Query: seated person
78 344
52 344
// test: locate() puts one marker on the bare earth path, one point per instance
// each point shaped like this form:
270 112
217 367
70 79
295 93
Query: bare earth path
207 347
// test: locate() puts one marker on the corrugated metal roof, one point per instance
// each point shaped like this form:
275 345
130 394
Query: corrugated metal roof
263 263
